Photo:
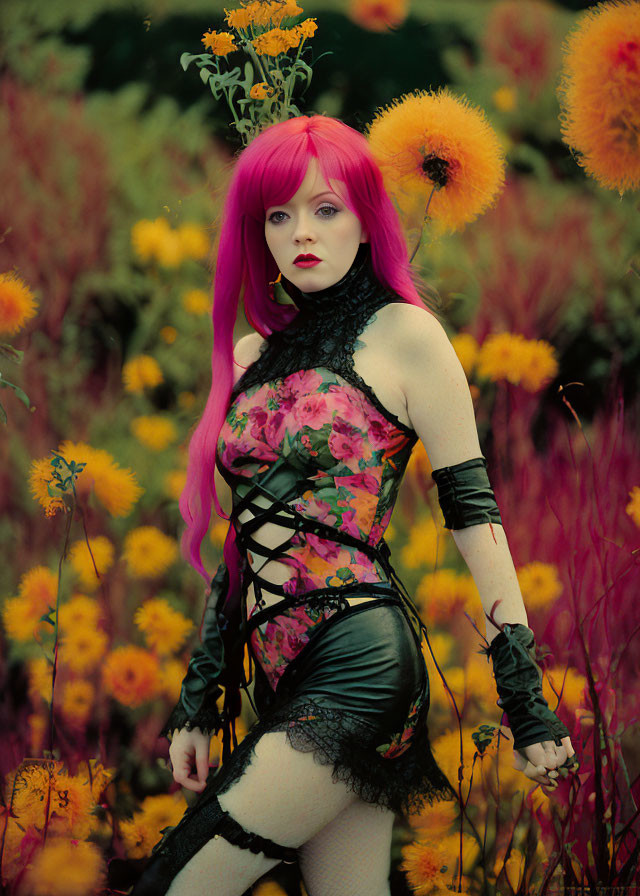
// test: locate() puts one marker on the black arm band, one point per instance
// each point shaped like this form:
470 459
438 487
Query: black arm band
465 494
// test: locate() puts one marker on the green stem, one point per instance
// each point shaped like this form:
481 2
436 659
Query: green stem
413 254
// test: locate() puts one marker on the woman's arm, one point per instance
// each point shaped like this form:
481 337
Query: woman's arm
440 408
441 411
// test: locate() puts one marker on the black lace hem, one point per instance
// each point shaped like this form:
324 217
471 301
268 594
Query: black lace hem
338 738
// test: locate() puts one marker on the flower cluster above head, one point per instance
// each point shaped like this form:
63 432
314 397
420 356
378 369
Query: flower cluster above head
260 92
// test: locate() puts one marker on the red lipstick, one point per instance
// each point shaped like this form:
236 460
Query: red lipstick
306 261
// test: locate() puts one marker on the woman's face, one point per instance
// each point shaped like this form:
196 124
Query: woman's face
315 221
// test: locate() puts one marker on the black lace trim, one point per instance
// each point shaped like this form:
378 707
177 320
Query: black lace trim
324 333
335 737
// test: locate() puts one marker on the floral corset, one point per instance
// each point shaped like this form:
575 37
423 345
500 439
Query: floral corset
307 445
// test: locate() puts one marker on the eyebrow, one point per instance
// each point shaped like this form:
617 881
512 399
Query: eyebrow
317 196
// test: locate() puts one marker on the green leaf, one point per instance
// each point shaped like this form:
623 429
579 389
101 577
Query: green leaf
13 354
24 398
187 58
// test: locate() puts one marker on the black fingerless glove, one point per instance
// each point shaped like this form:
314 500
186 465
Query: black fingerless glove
197 706
519 685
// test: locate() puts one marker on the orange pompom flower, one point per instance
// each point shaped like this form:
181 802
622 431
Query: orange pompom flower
436 144
221 43
132 675
17 303
599 93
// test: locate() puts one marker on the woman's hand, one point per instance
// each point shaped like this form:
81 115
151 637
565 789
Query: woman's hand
187 747
541 762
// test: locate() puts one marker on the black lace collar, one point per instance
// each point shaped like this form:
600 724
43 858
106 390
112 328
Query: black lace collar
358 287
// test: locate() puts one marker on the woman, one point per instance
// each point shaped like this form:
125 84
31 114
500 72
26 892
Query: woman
311 422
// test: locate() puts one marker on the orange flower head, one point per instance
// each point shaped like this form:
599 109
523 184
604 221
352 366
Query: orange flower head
378 15
17 303
599 93
434 143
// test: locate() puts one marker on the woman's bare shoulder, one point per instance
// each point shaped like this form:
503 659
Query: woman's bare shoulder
247 348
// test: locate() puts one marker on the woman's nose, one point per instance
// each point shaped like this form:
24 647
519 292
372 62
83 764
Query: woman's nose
304 228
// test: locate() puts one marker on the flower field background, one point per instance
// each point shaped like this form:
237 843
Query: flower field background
113 165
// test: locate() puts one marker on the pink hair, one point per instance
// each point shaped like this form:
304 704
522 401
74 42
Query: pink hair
268 172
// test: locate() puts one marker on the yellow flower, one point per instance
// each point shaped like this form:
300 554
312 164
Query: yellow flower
164 628
598 94
40 672
154 431
37 593
194 240
71 801
419 464
169 334
500 357
221 43
633 507
283 9
148 552
442 647
538 365
156 240
505 98
83 648
443 594
17 303
38 728
83 564
425 546
131 675
196 301
276 41
426 865
269 888
539 584
240 19
261 91
142 832
573 690
174 483
172 673
378 15
78 697
140 372
425 140
513 867
306 29
81 863
455 683
466 348
436 820
114 487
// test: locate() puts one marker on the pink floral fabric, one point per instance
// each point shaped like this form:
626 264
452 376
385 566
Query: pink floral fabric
354 456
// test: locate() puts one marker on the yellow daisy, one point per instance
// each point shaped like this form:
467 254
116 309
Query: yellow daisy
115 487
83 863
17 303
83 648
141 372
196 301
538 365
142 832
172 673
500 357
164 628
598 93
154 431
131 675
221 43
427 140
569 681
505 98
443 594
195 241
78 697
425 864
149 552
425 545
539 584
82 561
276 41
40 672
240 19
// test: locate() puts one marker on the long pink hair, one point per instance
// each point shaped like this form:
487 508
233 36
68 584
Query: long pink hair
268 172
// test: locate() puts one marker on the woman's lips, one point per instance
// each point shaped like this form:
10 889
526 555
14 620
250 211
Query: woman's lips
307 262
